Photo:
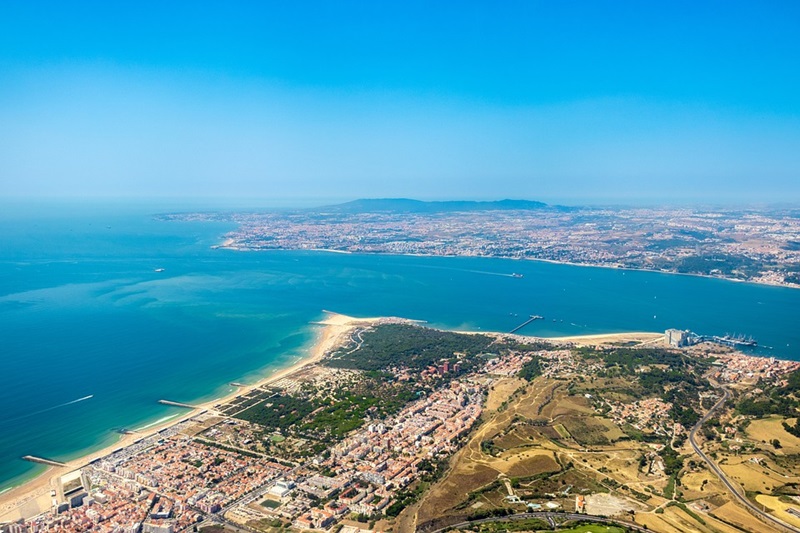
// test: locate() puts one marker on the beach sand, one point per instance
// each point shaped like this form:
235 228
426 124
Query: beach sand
641 337
33 497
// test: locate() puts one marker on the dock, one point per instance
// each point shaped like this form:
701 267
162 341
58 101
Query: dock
530 319
177 404
734 341
42 460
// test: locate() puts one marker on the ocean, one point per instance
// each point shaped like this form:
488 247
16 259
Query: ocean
92 335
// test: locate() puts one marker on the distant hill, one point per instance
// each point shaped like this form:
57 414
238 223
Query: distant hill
407 205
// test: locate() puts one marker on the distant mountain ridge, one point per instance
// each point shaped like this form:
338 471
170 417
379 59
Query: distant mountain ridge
408 205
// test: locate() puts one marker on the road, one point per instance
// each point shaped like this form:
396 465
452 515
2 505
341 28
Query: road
550 517
732 487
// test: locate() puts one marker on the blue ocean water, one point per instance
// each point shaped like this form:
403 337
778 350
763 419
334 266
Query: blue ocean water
83 312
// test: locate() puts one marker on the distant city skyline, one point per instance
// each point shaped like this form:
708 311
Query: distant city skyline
310 103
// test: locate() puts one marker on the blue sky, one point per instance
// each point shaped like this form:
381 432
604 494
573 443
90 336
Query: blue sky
289 101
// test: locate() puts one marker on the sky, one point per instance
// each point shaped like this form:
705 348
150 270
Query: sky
282 102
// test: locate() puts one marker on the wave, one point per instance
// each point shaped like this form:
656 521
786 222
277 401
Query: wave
157 422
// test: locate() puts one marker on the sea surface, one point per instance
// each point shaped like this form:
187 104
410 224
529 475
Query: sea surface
92 336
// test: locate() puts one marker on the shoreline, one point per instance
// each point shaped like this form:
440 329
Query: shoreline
335 327
226 245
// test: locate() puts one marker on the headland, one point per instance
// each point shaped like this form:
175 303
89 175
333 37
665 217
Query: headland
335 330
408 418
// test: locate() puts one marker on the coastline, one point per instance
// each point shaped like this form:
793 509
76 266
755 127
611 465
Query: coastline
230 244
335 329
642 337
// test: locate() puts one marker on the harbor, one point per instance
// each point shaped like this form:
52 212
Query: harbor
680 338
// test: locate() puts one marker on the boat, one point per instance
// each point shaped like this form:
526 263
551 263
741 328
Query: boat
516 275
159 270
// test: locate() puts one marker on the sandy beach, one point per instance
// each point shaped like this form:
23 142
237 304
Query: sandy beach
33 497
642 337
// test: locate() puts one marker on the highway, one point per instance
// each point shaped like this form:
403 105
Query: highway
732 487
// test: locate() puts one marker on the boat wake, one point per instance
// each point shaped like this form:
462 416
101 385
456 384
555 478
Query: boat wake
471 271
42 411
76 401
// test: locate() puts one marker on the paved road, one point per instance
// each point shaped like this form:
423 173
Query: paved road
734 488
550 517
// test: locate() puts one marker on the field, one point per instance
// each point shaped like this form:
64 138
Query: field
501 390
614 440
780 506
766 429
734 514
546 443
543 445
592 528
477 466
675 520
701 484
752 476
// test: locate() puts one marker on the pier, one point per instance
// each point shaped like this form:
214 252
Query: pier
42 460
531 319
177 404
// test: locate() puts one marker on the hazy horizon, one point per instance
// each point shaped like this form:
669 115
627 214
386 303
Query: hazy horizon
624 103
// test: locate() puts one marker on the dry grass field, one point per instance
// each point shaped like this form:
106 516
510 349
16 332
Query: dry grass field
780 507
501 390
538 437
752 476
766 429
702 485
675 520
547 438
738 516
473 468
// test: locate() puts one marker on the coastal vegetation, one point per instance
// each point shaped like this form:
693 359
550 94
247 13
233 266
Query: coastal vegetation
412 347
531 370
780 399
377 373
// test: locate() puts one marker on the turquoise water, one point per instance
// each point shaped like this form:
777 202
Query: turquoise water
83 312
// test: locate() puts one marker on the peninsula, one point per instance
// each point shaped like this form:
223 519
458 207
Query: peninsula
389 425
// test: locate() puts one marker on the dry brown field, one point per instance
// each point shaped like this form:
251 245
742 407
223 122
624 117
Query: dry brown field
766 429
